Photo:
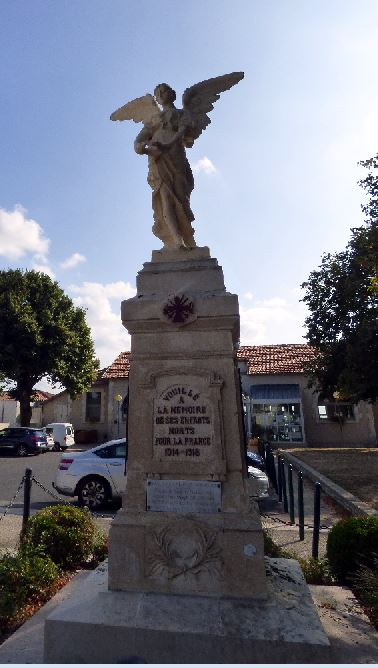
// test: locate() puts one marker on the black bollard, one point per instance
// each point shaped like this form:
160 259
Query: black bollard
291 495
27 490
284 493
273 471
269 463
300 506
315 535
279 471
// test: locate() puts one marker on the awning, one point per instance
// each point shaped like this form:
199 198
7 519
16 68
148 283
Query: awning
275 392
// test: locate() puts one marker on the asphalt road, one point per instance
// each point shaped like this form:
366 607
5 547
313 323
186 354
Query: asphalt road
12 470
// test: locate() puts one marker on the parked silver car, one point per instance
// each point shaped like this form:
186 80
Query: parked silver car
260 482
94 476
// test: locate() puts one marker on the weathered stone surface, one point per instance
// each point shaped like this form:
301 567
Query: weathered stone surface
185 423
100 626
205 554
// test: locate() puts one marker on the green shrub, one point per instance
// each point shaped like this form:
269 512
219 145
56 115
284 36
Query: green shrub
316 571
66 534
365 586
24 577
352 543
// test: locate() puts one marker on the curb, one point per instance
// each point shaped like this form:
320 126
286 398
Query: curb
343 498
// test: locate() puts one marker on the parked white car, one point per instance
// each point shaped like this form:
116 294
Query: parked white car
94 476
62 434
259 483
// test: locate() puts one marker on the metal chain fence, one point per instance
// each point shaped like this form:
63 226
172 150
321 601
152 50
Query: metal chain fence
11 502
68 503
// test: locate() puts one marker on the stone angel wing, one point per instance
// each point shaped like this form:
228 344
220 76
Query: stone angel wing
199 99
142 109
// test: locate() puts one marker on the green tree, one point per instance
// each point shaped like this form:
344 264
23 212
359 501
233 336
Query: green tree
42 334
342 298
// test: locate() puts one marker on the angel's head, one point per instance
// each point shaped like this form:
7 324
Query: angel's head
164 94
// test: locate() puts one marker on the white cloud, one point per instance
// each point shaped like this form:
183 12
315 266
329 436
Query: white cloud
73 261
103 317
248 295
272 321
20 235
205 165
44 268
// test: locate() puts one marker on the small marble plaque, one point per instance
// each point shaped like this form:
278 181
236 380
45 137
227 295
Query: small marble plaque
184 496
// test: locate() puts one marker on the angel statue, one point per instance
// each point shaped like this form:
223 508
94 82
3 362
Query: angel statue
166 133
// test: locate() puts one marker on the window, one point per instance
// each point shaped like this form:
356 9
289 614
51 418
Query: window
336 412
93 407
280 421
112 451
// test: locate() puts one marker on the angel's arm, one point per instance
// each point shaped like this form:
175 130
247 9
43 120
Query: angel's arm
142 144
142 140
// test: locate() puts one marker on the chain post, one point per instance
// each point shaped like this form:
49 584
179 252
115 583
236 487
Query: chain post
284 492
315 535
27 491
267 462
300 506
279 471
273 470
291 494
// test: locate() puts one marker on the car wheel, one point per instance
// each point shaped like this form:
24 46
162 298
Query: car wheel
93 492
56 447
21 450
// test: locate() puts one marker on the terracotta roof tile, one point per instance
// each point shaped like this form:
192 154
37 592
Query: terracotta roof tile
41 395
38 395
272 359
119 368
276 359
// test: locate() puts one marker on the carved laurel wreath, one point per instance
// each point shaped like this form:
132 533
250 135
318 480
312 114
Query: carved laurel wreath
168 557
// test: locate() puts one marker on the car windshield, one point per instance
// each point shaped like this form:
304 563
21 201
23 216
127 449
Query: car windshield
68 431
49 431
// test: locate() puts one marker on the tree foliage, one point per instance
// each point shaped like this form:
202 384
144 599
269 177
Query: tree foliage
42 334
342 297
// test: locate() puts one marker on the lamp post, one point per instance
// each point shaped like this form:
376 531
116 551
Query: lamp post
118 399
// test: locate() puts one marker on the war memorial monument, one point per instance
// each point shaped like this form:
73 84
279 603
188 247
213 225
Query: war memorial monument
187 581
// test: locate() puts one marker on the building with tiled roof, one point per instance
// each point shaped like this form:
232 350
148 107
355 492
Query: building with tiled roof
119 368
277 401
10 408
276 359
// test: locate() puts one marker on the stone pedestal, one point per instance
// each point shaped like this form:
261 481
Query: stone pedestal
96 625
185 425
187 579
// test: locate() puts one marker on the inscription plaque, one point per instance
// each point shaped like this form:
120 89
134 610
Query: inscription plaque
183 426
184 496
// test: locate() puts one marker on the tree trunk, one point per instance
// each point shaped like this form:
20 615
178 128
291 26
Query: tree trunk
24 395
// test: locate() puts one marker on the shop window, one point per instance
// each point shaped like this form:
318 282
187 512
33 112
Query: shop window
336 412
279 422
93 407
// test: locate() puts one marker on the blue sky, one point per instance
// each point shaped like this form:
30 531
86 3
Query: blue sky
275 172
